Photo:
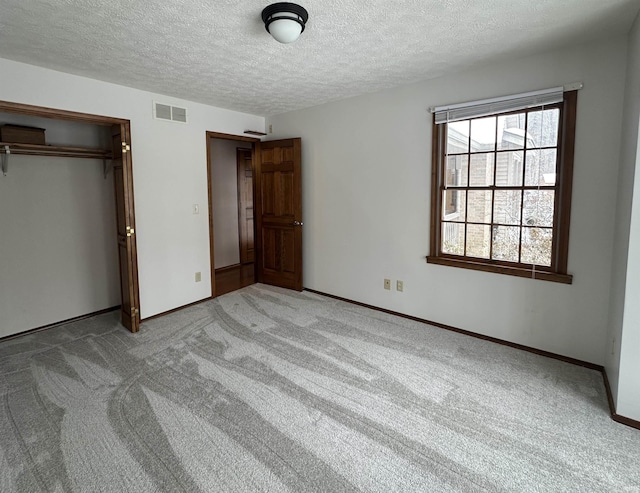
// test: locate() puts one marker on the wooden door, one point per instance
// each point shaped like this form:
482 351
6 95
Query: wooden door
279 212
245 205
125 214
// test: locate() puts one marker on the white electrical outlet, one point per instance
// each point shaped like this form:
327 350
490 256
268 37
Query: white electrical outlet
198 276
387 284
399 286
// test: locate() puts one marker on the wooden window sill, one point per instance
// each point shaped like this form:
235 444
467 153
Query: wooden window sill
502 269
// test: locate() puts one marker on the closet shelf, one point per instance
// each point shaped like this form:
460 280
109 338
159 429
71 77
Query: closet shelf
55 151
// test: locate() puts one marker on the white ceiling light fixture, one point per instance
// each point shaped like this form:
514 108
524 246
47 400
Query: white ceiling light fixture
285 21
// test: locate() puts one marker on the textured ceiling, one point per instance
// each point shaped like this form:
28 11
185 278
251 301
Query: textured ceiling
217 51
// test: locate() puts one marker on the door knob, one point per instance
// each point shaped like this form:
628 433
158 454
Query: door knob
298 223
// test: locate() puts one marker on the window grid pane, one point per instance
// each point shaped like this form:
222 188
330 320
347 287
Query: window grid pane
453 235
454 205
506 243
507 206
537 246
479 204
478 240
481 169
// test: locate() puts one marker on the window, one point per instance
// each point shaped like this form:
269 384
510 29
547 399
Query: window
501 185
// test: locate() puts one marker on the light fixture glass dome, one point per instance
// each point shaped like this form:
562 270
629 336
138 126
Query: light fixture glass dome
285 21
285 30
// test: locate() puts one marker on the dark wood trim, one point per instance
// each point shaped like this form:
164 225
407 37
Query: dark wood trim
239 186
232 278
219 135
625 421
607 386
177 309
257 209
541 352
297 185
127 162
57 114
242 212
435 185
612 406
529 273
229 267
212 272
566 177
257 241
57 324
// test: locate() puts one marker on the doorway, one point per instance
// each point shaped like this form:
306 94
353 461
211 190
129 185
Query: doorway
276 212
231 196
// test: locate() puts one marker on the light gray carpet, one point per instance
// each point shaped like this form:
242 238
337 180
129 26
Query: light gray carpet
271 390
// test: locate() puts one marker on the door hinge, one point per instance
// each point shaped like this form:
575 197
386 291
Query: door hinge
130 231
134 311
125 147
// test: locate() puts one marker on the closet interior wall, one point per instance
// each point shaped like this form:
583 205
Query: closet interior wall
58 249
224 180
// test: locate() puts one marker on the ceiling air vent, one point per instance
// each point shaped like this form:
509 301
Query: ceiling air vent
170 113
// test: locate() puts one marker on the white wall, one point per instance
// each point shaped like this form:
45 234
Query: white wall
224 183
623 363
366 198
169 169
58 257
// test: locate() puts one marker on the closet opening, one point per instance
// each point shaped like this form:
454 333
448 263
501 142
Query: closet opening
68 244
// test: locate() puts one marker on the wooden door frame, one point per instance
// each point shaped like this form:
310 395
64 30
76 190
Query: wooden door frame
241 203
131 314
107 121
222 136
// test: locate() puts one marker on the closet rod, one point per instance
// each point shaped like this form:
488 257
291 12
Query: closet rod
7 148
51 150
